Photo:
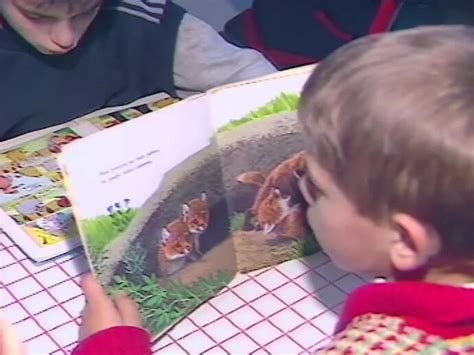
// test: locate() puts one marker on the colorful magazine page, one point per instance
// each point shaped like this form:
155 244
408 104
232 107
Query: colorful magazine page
34 209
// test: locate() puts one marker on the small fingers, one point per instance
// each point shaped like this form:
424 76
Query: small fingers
92 288
99 312
10 343
128 310
96 296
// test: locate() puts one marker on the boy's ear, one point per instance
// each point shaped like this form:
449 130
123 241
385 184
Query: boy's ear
414 243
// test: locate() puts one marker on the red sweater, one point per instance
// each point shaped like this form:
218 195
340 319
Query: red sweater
442 315
116 341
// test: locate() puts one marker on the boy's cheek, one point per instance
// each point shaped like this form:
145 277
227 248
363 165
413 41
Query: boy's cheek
31 35
314 220
23 27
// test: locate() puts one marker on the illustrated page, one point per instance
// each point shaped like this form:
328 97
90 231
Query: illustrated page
32 192
172 205
262 161
150 204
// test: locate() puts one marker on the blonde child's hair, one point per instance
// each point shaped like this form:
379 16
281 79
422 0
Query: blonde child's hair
391 118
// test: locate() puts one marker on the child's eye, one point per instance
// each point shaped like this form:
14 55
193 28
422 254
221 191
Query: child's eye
89 12
38 18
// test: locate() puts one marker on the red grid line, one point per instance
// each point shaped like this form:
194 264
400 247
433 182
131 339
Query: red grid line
30 316
69 279
33 276
218 345
252 277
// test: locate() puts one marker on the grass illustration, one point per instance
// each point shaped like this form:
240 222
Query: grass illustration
283 103
237 222
134 261
102 230
306 246
162 307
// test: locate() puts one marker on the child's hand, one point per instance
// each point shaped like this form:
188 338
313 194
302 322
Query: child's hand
10 344
101 312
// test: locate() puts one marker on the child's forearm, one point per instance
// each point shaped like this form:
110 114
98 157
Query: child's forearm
122 340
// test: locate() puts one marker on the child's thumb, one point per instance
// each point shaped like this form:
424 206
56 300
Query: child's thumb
95 294
128 310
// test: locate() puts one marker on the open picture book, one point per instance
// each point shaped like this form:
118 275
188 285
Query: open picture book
172 205
35 212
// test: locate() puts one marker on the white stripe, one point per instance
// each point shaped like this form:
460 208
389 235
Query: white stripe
137 14
163 2
148 8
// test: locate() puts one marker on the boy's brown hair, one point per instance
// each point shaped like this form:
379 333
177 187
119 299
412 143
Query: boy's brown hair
391 118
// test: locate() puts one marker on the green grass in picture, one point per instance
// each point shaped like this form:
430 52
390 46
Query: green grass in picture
102 230
237 222
306 246
283 103
162 307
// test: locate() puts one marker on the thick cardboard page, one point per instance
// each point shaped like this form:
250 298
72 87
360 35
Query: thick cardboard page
160 208
262 161
35 211
152 212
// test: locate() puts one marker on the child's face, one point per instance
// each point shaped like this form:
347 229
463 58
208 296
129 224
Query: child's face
352 241
52 28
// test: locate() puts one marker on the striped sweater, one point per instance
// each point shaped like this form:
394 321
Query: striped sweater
133 49
406 318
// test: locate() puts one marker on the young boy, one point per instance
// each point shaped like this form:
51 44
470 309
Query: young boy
62 59
388 125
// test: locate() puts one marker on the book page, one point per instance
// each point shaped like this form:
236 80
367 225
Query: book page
262 161
159 204
33 198
149 202
35 211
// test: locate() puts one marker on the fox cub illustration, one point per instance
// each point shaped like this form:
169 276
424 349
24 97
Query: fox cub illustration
277 206
176 246
277 214
196 215
180 238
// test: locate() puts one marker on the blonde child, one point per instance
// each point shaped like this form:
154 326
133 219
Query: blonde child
388 125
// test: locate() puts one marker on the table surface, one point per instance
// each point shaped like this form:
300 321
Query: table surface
291 308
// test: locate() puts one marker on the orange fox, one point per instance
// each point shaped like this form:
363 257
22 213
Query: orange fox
196 214
276 214
273 208
180 238
283 177
176 245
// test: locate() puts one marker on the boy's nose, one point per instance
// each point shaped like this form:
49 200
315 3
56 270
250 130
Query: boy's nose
63 36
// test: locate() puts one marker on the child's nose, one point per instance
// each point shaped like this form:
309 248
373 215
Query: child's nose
63 36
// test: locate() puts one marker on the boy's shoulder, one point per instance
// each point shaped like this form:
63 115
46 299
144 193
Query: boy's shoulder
379 333
148 10
406 317
151 11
